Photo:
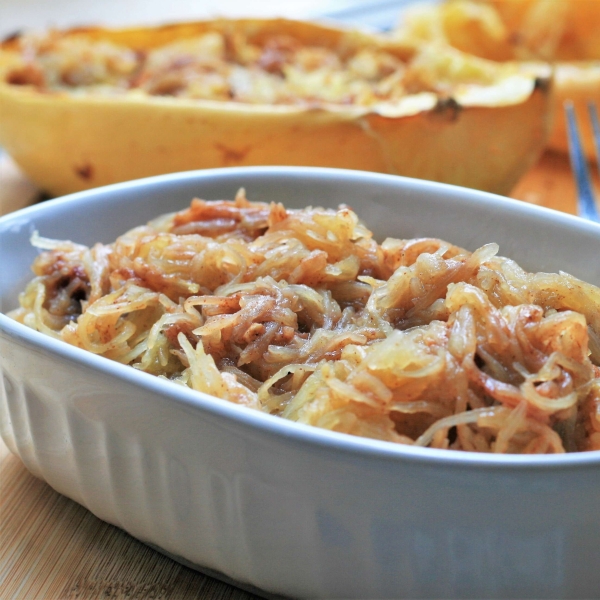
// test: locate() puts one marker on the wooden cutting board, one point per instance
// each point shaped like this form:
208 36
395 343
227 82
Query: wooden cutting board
52 549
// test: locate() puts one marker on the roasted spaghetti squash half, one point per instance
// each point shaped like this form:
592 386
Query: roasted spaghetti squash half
561 32
88 107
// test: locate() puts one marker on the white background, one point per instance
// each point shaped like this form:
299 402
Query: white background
17 15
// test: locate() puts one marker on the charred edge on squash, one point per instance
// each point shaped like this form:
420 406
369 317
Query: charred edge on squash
231 155
542 83
86 171
12 37
448 108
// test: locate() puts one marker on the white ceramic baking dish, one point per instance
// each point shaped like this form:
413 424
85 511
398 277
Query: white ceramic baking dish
285 508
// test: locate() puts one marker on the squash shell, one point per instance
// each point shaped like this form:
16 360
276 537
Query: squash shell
66 142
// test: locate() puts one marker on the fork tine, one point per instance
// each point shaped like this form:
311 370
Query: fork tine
593 110
585 193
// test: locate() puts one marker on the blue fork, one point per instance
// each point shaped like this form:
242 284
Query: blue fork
586 202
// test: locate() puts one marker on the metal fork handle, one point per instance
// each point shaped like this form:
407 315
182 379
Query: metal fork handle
586 202
596 129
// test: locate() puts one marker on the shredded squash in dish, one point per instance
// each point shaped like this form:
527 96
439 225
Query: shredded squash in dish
302 314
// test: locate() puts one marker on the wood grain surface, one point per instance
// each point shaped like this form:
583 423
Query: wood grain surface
52 549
